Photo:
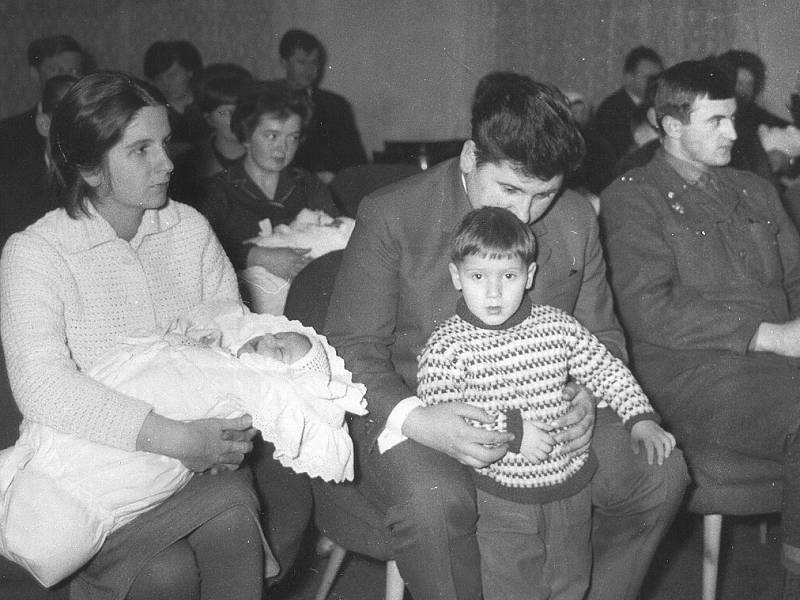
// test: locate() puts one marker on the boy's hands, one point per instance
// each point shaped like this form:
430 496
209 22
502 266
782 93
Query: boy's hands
657 442
537 441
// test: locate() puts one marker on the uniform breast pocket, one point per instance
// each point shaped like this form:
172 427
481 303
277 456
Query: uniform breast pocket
763 260
704 256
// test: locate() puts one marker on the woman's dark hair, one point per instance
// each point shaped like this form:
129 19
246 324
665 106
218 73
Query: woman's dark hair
268 98
219 83
527 123
742 59
90 120
160 56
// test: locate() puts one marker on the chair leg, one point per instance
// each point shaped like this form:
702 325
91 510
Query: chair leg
395 586
762 531
335 561
712 533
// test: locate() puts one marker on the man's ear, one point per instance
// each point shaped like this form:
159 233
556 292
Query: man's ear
467 161
672 127
454 276
531 273
43 124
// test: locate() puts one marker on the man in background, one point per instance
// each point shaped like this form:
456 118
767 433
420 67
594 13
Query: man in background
613 118
332 141
48 56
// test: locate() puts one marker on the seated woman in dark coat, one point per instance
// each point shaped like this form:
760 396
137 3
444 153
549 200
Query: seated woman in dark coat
269 121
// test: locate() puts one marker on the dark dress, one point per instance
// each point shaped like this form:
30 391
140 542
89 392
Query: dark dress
234 205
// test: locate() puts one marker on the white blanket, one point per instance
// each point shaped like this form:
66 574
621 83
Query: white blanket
60 496
312 229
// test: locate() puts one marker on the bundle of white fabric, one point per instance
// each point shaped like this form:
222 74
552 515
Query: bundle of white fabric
60 496
312 229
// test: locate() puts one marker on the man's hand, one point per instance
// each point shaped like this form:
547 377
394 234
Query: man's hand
443 428
576 426
286 263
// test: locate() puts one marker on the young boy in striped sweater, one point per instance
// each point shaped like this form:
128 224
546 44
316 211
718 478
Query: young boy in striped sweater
512 358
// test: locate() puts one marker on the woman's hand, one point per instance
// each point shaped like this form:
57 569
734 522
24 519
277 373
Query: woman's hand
284 262
202 445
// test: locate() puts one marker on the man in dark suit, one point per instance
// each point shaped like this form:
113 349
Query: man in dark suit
332 141
394 287
49 56
26 193
22 143
613 118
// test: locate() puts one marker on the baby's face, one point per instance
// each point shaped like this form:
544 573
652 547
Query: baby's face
285 346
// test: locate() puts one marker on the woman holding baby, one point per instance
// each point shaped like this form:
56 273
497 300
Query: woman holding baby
269 121
116 258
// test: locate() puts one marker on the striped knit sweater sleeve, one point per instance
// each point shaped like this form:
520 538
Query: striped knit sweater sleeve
593 366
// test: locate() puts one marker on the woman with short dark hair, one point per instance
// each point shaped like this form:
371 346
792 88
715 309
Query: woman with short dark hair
269 121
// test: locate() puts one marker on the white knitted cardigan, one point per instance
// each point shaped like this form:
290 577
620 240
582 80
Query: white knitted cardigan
70 290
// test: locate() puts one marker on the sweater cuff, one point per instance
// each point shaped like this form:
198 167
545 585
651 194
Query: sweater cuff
648 416
514 425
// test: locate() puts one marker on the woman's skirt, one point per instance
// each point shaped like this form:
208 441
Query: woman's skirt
110 574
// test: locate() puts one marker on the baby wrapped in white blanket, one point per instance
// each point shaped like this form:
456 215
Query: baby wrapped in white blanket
312 229
60 496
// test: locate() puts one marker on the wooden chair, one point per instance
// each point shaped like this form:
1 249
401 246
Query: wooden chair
344 515
725 483
341 512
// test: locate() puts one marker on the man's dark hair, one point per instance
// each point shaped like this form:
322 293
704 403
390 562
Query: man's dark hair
298 38
679 86
637 55
742 59
161 55
219 83
50 46
268 98
493 232
526 123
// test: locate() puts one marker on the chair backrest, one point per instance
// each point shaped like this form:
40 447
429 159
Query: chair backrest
310 292
351 184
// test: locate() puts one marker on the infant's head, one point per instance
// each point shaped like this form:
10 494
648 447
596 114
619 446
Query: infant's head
290 348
